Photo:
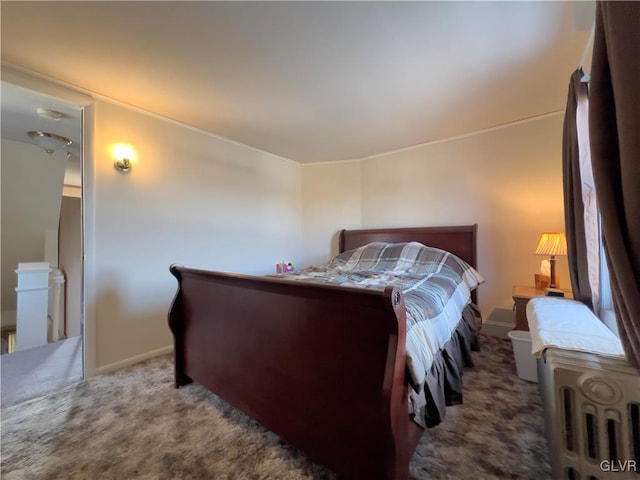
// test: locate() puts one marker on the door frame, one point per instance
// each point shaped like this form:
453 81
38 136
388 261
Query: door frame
58 90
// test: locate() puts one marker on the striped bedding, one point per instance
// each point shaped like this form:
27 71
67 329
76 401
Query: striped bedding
435 285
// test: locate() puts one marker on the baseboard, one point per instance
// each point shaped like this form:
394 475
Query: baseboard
499 323
127 362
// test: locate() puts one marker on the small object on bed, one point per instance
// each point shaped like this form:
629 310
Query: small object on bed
284 267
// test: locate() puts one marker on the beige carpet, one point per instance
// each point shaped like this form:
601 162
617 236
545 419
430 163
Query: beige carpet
134 425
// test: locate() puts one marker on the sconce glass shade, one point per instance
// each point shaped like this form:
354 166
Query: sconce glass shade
49 142
551 243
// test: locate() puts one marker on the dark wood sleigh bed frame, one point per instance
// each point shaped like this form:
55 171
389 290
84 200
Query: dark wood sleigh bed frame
322 366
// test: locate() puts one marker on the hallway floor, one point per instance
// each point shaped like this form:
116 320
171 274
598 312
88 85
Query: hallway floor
34 372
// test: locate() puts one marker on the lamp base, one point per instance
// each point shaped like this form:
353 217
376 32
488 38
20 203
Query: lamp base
552 264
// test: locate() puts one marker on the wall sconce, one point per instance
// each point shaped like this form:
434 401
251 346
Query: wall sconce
123 155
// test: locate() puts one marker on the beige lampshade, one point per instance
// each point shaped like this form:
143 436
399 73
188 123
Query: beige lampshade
551 243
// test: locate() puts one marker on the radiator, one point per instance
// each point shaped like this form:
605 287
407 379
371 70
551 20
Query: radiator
592 414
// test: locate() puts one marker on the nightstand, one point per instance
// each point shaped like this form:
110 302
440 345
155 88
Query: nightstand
521 295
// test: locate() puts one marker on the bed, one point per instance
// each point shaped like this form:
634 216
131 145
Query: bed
324 366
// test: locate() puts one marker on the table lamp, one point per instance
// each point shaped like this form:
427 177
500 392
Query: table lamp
552 244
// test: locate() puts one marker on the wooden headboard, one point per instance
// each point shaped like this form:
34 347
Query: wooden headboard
461 240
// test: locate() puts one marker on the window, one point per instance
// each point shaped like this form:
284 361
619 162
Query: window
598 270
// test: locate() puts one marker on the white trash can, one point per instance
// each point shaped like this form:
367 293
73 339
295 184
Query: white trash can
526 366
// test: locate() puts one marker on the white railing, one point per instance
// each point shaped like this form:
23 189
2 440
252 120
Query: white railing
40 315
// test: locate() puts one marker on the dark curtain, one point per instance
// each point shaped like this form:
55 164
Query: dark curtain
614 124
574 224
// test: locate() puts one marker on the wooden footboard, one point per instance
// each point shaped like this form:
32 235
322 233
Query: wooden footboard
320 365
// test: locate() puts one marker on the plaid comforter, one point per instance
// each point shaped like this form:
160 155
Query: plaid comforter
435 285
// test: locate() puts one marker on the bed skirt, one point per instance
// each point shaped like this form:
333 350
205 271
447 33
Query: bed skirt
443 385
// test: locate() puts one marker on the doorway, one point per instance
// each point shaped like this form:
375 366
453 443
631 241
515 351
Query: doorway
42 228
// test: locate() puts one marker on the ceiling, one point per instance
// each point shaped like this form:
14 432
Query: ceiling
19 116
311 81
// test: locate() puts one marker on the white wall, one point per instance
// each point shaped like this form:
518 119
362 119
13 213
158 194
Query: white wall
508 180
191 199
330 202
31 195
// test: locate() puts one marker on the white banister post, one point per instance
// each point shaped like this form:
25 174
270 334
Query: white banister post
57 304
33 302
